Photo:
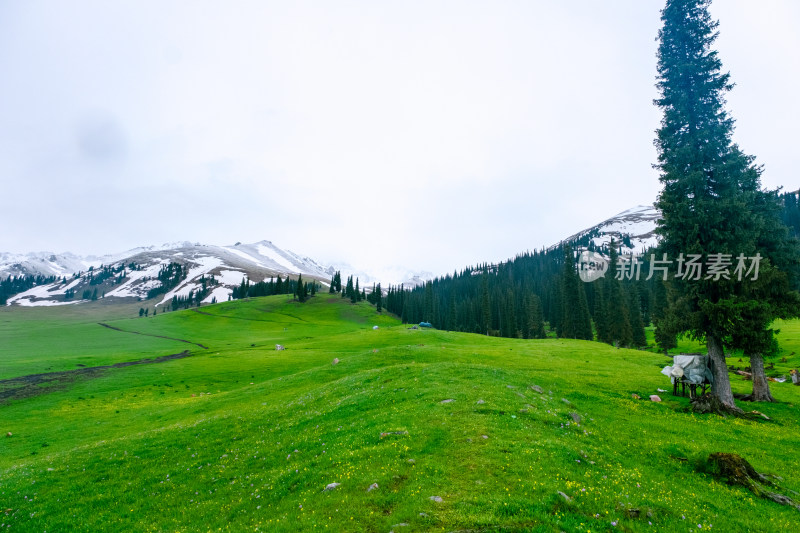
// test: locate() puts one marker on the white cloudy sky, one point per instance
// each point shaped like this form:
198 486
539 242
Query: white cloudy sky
431 134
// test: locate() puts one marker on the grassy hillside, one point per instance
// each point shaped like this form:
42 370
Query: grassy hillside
458 431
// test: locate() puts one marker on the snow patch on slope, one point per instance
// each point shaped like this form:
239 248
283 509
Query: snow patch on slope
274 256
204 265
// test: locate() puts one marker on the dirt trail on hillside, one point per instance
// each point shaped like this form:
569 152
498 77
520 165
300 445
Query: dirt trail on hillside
250 319
152 335
35 384
229 316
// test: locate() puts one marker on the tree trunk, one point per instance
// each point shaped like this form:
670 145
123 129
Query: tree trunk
722 384
761 392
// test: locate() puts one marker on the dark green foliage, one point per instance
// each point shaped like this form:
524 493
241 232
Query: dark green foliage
272 287
501 299
790 212
170 276
336 283
17 284
600 312
428 313
575 322
711 202
638 337
486 311
535 318
300 289
617 316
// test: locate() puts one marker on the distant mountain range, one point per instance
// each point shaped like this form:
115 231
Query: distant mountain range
134 273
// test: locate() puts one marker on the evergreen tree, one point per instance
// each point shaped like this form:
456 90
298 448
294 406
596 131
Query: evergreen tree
428 312
617 317
450 324
711 189
638 336
575 322
486 310
768 297
600 312
378 298
536 318
337 280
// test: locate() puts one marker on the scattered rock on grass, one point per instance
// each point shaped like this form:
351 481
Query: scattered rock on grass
447 400
372 487
636 397
8 434
566 498
437 499
537 388
335 361
576 417
394 433
655 398
480 402
331 486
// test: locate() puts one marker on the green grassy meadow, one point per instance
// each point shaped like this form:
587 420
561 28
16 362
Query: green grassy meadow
450 426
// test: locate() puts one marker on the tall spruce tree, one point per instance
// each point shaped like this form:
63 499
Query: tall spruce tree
486 310
576 322
600 320
618 325
768 297
535 317
710 188
300 291
638 337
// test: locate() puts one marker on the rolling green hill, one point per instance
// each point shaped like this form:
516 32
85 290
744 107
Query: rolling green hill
460 432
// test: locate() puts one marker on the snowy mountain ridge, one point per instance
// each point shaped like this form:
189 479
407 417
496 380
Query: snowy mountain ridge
633 230
133 273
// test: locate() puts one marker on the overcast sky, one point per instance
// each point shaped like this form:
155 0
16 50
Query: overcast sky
431 134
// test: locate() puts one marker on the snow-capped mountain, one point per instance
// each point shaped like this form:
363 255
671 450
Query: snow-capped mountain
220 269
633 230
134 273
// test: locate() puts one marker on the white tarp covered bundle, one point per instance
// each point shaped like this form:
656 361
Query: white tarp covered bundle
692 368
